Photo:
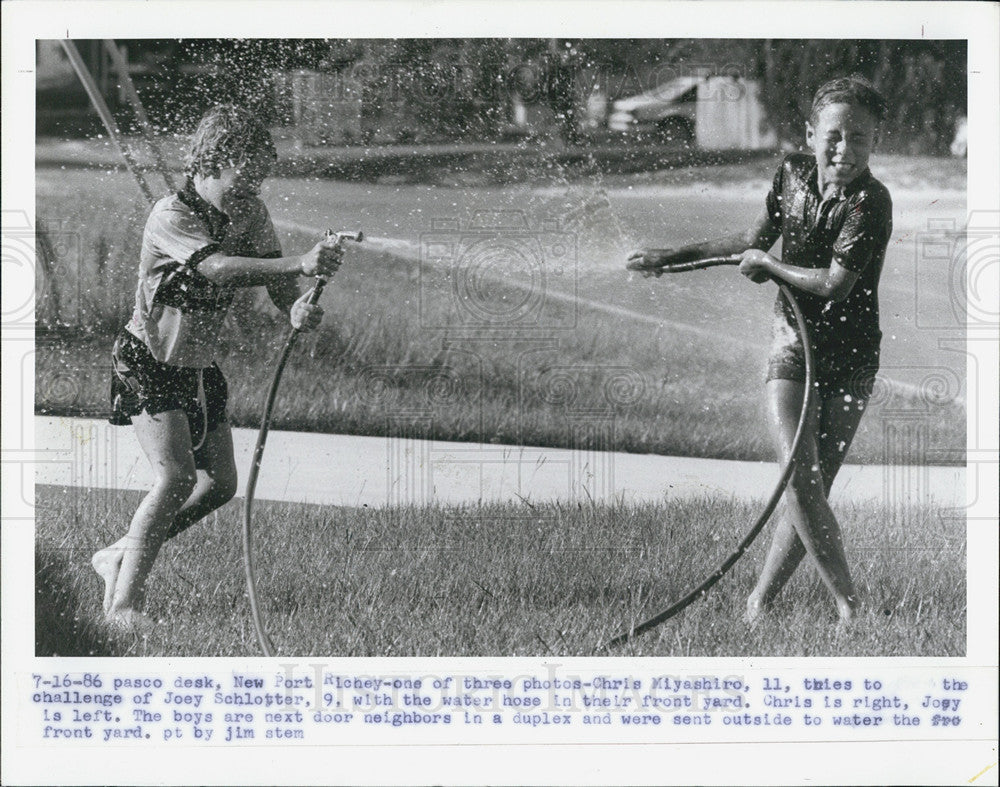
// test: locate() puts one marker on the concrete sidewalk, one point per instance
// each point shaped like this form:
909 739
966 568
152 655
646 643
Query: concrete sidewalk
375 471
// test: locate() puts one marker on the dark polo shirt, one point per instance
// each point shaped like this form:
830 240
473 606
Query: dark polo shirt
851 227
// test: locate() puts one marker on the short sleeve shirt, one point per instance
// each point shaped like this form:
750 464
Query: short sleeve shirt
851 227
178 311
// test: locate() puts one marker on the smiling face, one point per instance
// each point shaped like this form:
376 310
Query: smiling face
842 140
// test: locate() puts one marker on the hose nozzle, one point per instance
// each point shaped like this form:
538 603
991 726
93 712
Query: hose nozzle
357 237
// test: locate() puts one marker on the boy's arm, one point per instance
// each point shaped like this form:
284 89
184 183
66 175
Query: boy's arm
762 234
834 283
283 291
225 270
281 285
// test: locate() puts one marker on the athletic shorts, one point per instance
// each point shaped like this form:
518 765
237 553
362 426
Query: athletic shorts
141 383
839 370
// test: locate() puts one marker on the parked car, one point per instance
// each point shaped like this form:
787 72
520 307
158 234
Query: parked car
666 113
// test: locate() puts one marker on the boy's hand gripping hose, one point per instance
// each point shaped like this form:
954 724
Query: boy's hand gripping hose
258 454
786 472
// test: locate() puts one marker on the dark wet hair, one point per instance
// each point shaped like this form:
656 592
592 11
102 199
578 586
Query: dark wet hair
855 90
227 136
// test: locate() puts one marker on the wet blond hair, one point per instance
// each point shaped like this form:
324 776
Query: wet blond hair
227 136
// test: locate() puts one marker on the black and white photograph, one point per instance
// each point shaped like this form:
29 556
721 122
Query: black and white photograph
507 231
636 347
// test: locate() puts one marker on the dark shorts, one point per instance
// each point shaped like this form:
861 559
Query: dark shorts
141 383
840 371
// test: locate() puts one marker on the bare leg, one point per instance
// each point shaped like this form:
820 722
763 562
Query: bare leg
810 524
166 441
216 483
839 422
107 563
783 557
214 487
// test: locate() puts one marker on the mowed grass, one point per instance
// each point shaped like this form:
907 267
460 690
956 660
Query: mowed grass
497 580
376 367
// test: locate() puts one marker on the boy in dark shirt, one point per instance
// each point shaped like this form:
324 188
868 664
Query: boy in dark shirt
834 219
198 246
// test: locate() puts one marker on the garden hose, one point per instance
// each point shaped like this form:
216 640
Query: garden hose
786 473
258 454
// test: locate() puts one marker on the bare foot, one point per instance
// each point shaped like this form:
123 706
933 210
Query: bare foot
756 609
107 563
847 609
131 621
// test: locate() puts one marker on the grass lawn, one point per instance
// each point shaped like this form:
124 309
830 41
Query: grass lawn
503 580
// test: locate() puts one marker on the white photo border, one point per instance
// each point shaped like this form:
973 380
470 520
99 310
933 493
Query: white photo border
452 761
